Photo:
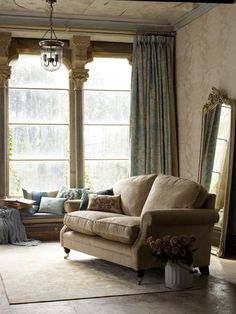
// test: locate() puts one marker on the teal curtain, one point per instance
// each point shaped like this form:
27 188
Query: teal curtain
211 124
153 117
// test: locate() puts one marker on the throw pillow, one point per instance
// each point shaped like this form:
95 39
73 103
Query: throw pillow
70 193
106 203
52 205
85 197
37 195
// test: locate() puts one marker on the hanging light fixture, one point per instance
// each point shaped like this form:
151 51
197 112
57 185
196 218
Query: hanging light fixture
51 49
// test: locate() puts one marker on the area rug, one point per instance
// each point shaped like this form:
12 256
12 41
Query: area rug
41 274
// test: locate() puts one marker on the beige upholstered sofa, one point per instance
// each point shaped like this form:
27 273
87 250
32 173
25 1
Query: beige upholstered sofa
150 205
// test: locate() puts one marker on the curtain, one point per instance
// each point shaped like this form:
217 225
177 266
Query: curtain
153 119
212 120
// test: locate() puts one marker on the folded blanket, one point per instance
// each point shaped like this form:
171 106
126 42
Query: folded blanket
11 228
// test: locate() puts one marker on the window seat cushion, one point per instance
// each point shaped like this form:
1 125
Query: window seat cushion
43 218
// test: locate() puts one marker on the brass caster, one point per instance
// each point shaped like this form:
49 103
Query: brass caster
140 280
67 251
140 274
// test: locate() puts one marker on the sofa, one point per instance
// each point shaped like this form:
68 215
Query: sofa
115 227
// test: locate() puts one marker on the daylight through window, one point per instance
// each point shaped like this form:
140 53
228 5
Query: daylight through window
38 126
106 122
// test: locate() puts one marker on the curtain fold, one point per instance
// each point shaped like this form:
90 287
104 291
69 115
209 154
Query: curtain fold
153 118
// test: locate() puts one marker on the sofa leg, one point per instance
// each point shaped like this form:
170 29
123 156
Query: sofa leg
204 270
140 275
67 251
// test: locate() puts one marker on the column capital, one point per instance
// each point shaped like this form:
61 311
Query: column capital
79 76
80 57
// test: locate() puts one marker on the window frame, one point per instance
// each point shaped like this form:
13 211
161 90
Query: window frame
9 159
85 89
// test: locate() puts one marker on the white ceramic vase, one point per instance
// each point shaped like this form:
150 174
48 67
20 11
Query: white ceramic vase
177 276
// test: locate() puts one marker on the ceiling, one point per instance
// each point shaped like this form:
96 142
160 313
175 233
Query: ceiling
100 19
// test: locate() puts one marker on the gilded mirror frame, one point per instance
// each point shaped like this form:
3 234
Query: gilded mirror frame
218 97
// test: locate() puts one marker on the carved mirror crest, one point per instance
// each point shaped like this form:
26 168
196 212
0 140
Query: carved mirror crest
216 159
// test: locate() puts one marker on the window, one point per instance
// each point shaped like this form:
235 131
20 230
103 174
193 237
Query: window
38 118
106 122
221 147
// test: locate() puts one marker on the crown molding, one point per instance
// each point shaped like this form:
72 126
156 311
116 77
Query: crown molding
194 14
70 25
35 26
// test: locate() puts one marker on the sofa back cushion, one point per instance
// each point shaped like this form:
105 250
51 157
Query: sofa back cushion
134 192
174 192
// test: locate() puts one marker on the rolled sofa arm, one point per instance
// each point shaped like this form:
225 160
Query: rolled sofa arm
168 219
181 216
176 221
71 205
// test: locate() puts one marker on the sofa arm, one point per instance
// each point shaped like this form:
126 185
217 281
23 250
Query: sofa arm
182 216
175 221
71 205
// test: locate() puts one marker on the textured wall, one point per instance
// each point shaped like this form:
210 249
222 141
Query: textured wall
206 57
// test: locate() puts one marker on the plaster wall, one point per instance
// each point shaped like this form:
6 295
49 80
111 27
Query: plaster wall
205 57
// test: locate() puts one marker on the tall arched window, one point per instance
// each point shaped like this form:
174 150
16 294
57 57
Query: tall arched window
106 122
38 116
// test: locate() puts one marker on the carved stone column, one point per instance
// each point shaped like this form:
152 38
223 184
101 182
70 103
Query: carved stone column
79 75
5 72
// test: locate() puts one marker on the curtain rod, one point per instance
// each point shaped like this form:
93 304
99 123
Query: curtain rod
167 34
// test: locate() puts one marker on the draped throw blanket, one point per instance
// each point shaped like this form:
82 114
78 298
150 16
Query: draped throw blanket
11 228
153 117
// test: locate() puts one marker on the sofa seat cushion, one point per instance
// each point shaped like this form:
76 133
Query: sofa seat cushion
124 229
111 226
134 192
174 192
82 221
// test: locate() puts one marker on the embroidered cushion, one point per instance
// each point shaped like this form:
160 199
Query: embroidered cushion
106 203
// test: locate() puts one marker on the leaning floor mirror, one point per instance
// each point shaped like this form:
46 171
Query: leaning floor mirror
216 159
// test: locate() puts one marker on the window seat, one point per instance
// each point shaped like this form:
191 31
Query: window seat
46 226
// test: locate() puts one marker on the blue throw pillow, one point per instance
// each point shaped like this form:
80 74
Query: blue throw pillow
36 196
52 205
70 193
85 197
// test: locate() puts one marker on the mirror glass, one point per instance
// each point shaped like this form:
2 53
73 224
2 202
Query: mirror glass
216 159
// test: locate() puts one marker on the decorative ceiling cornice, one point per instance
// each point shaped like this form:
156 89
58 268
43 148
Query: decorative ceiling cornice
194 14
34 26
